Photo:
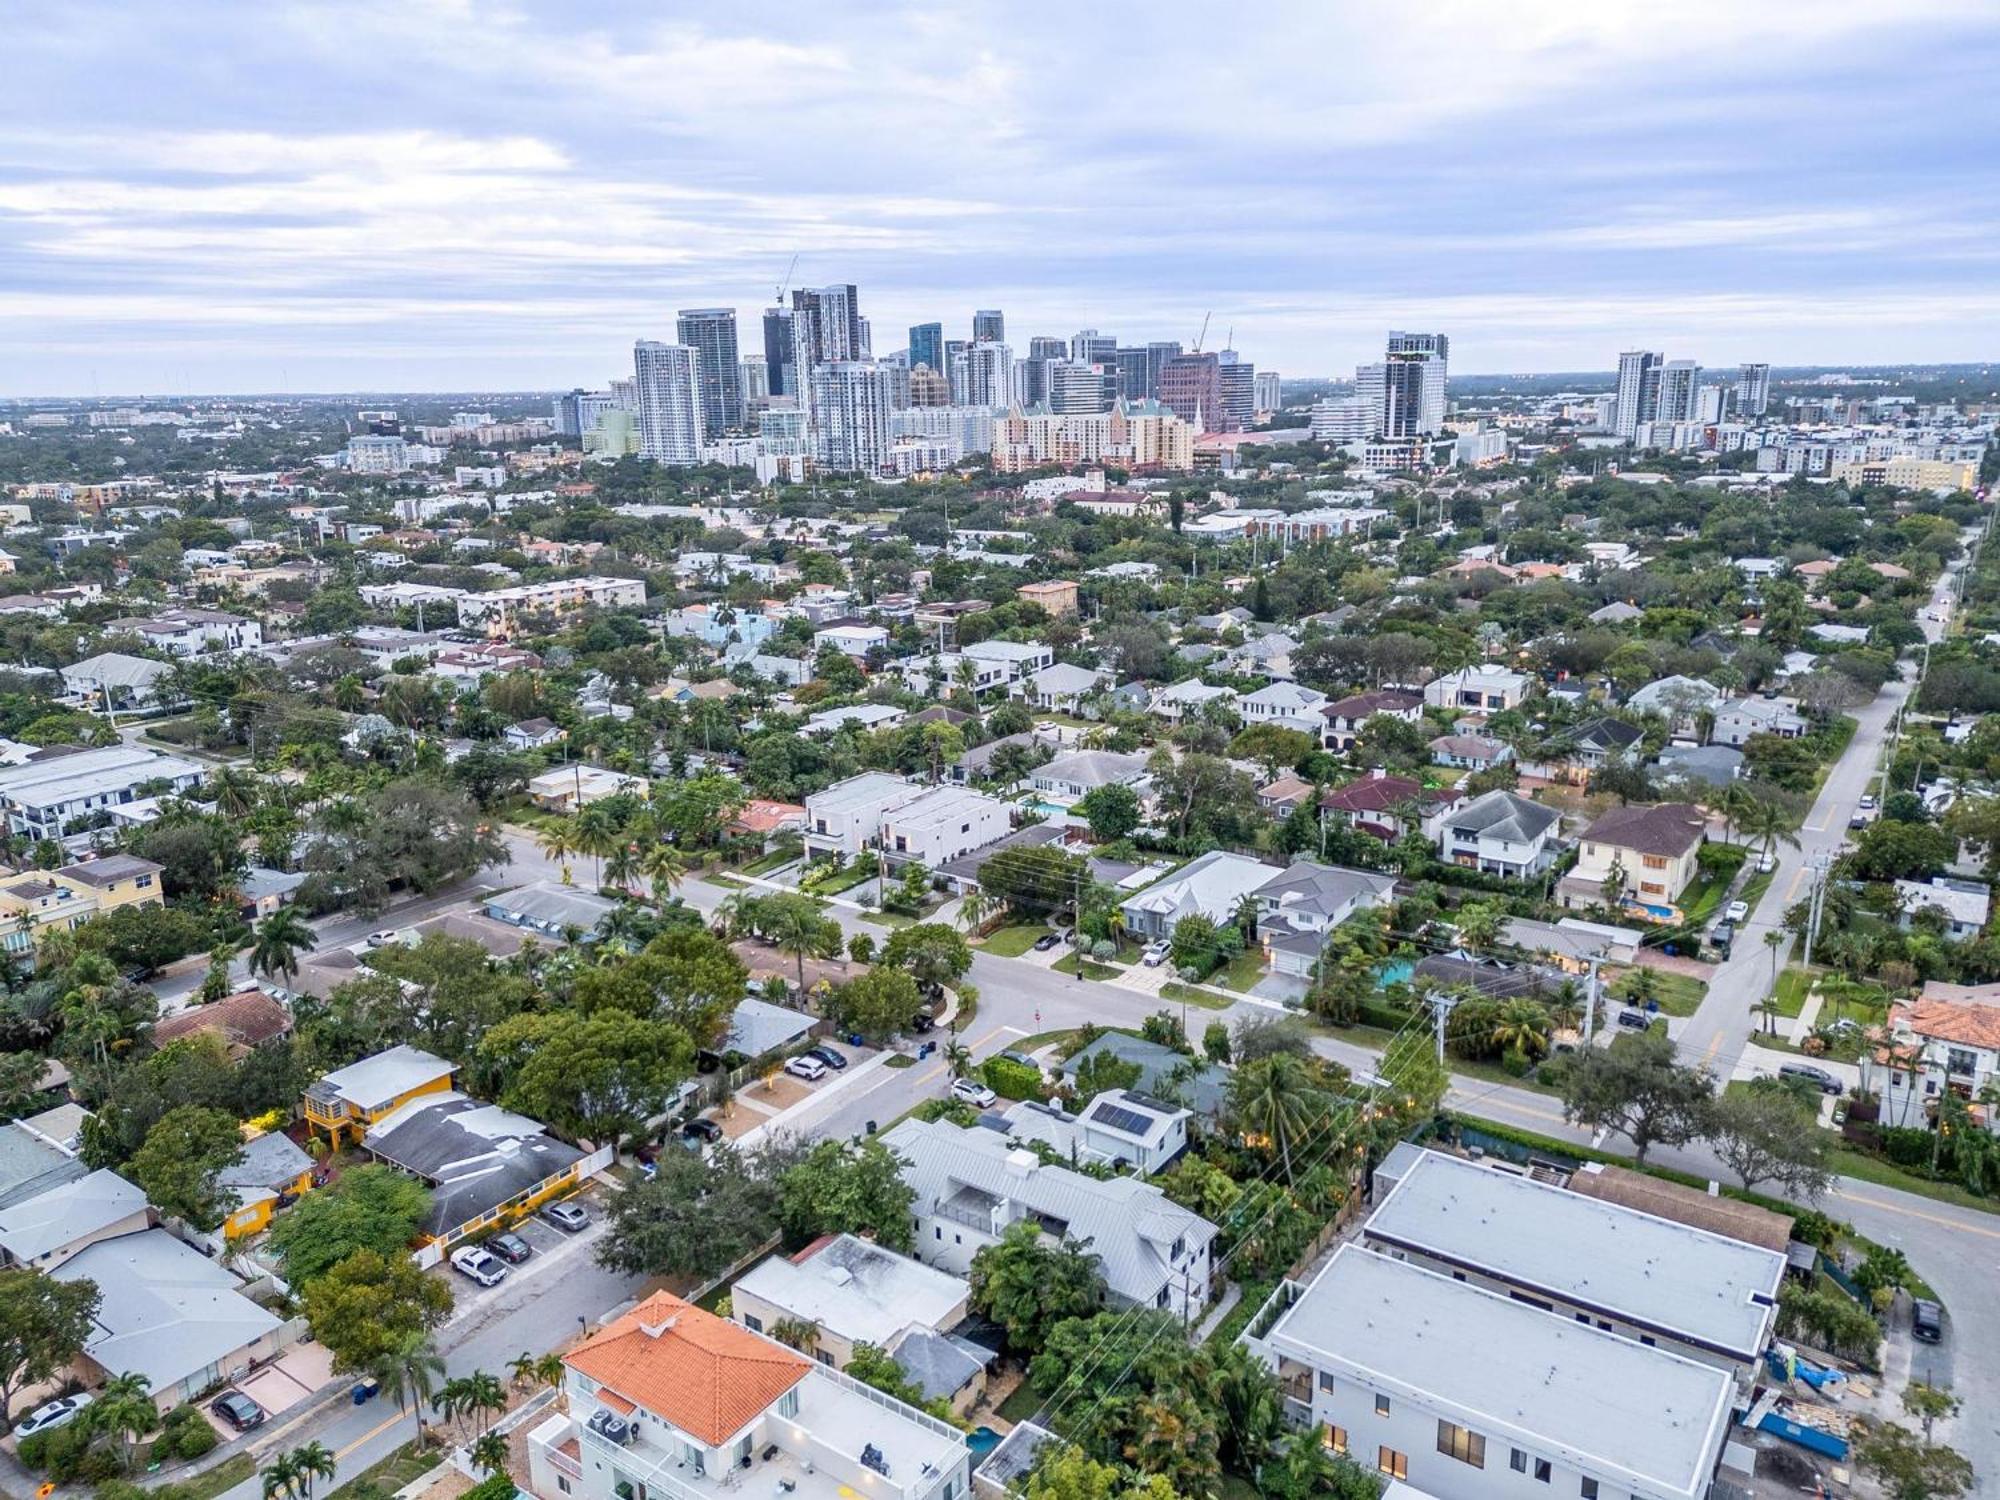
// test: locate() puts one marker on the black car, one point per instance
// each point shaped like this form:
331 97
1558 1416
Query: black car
510 1248
701 1129
1047 941
1819 1078
238 1410
1635 1020
1926 1321
833 1057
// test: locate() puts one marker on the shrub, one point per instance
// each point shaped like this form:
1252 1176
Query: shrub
1012 1080
195 1439
1517 1062
494 1487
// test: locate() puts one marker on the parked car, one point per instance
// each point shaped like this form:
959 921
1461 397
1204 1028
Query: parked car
1155 955
701 1131
1766 864
923 1021
1859 820
51 1415
1722 935
806 1066
473 1261
384 938
1736 911
972 1091
567 1216
1023 1059
1047 941
238 1410
1635 1020
510 1248
1926 1321
1819 1078
832 1056
1868 802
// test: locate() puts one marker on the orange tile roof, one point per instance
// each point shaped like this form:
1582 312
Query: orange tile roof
703 1374
1941 1020
616 1402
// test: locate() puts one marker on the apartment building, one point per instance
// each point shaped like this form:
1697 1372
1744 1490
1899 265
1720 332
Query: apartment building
43 798
35 903
941 823
505 612
190 632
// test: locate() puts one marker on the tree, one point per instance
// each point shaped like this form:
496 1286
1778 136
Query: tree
369 1208
876 1004
1193 944
1304 1469
488 1452
1638 1089
21 1083
593 1078
294 1472
43 1323
838 1187
278 941
1910 1468
934 955
360 1307
694 1218
872 1365
792 923
1765 1135
1112 810
1028 1285
1478 925
1276 1100
1064 1471
125 1410
1215 1042
410 1370
1929 1404
1099 1072
181 1163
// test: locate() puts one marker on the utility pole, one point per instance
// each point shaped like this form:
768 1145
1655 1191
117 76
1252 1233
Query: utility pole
1590 999
1441 1005
1816 905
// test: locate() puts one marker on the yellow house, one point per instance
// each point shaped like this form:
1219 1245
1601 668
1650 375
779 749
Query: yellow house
36 902
347 1101
272 1173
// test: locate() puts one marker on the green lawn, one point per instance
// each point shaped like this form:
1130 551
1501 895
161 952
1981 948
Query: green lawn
900 1060
1069 963
1851 1163
888 919
1022 1403
846 880
1012 942
1703 898
1241 972
774 861
1678 994
727 882
226 1475
390 1474
1793 986
1176 991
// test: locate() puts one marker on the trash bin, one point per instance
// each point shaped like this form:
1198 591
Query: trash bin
871 1127
364 1390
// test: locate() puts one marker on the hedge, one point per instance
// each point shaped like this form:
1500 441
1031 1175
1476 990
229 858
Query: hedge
1012 1080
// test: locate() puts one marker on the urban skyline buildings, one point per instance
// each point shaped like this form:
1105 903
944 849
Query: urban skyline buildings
711 333
666 382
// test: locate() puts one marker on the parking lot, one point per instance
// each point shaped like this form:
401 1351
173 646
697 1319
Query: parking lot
548 1246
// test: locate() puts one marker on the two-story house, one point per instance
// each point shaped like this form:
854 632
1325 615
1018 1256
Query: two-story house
1346 718
1383 805
1577 753
345 1103
670 1402
1654 850
1739 718
1966 905
1498 833
1286 705
1930 1046
34 904
939 823
1299 907
1486 686
846 817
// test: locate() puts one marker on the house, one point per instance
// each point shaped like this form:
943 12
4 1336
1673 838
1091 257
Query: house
1267 655
972 1185
1068 779
190 632
862 717
1056 595
534 734
1483 974
1966 905
950 671
1499 833
1017 659
1485 686
43 798
1300 906
1698 765
941 823
1706 1296
1617 612
1284 796
757 1028
1346 718
570 787
551 909
1930 1046
169 1313
485 1166
345 1103
1571 943
1681 701
1211 886
851 1292
1466 1393
1061 688
1739 718
763 819
32 1161
1470 752
670 1402
1287 705
272 1174
243 1022
851 637
33 905
1118 1127
1383 805
846 817
116 682
1163 1072
1575 754
44 1231
1652 850
1187 700
265 890
1681 1203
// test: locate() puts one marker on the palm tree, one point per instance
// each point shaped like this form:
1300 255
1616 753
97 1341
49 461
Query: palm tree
549 1368
484 1397
236 792
597 836
621 867
1770 823
558 841
488 1452
1522 1025
957 1058
1274 1098
126 1411
792 924
974 907
1478 925
521 1368
664 869
409 1370
278 941
311 1461
281 1478
1735 803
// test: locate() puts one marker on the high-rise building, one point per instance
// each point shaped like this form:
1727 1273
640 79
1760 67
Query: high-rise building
711 333
1157 354
1191 388
1042 346
989 374
1371 384
568 424
1753 390
954 369
1093 348
929 387
1032 378
1414 377
1638 390
851 402
1239 391
826 325
1680 382
1712 403
1134 373
989 326
667 378
1269 396
1077 388
753 373
927 345
1344 419
778 351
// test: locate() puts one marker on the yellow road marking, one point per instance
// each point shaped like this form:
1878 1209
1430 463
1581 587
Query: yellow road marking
371 1434
1792 895
939 1070
1917 1213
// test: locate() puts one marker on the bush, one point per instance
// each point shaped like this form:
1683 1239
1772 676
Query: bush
493 1487
1908 1147
1517 1062
1012 1080
196 1439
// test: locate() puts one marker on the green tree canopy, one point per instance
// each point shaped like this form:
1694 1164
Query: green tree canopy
181 1163
368 1208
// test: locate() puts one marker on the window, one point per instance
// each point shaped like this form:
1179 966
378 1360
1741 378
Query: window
562 1484
1542 1470
1381 1406
788 1404
1326 1380
1588 1489
752 1322
1461 1443
1335 1439
1517 1461
1392 1463
1654 861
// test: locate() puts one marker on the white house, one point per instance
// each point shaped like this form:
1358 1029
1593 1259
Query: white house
1298 907
1287 705
1114 1127
846 817
853 638
1485 686
940 823
1739 718
1210 885
1019 658
189 632
1061 688
40 799
1183 700
1966 904
1068 779
862 716
852 1291
1499 833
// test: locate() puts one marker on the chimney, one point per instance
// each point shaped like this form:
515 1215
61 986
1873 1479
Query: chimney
1022 1163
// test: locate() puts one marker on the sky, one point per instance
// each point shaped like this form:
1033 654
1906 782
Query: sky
429 195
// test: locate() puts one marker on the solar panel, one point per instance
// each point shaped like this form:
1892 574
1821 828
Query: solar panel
1117 1117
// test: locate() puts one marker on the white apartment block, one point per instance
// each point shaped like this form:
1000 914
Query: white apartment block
40 799
846 818
503 612
940 823
667 379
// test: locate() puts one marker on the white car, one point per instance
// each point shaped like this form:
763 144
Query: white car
48 1417
811 1069
1736 911
384 938
1155 955
973 1092
487 1270
1868 802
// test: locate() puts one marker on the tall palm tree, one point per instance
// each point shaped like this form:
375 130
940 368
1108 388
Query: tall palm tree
621 866
521 1368
488 1452
974 907
1771 824
792 924
596 835
312 1461
664 869
125 1410
278 940
410 1369
236 792
485 1397
281 1477
1522 1025
957 1058
558 841
1275 1098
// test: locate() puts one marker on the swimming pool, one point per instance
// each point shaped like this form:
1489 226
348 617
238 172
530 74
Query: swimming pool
1396 971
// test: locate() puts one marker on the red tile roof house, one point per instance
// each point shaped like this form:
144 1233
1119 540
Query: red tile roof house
669 1402
1384 805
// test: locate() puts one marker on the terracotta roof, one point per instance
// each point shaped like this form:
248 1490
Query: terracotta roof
248 1018
1378 794
699 1373
1941 1020
760 816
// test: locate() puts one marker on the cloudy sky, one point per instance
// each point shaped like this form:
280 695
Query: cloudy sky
418 195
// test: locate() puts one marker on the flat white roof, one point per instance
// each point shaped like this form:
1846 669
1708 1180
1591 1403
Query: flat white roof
374 1081
1673 1279
861 1292
1633 1416
870 788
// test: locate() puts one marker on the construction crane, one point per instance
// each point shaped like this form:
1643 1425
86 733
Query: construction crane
779 298
1204 331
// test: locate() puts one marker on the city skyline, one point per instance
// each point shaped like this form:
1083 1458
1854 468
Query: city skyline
520 197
